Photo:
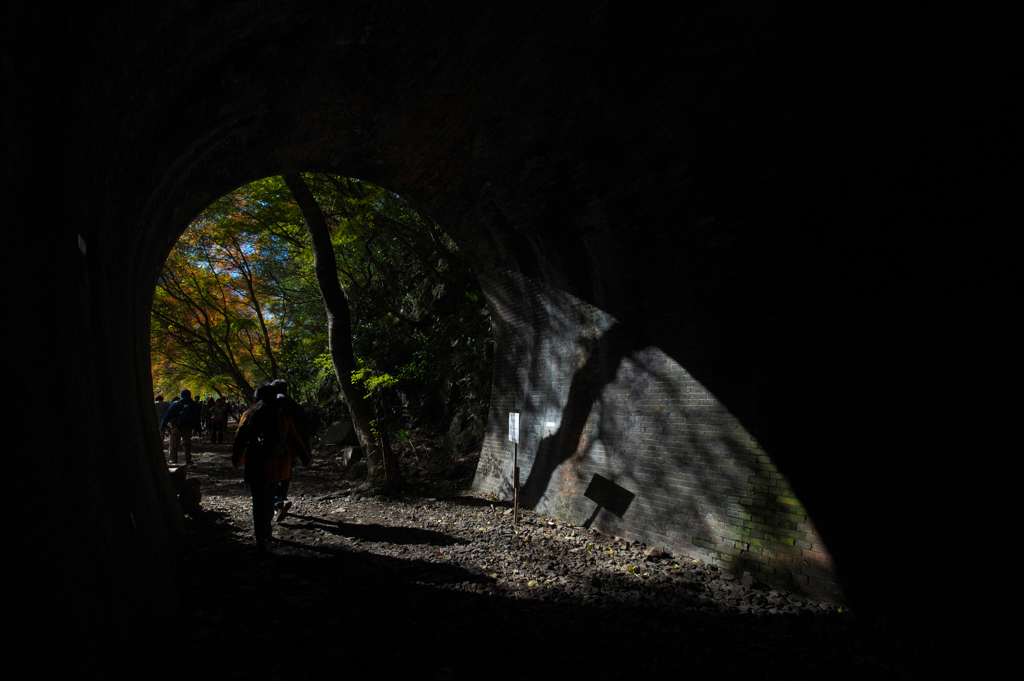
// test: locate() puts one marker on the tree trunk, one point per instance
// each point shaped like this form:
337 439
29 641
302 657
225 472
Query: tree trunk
339 332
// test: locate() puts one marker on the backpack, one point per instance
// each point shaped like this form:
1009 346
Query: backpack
271 442
188 417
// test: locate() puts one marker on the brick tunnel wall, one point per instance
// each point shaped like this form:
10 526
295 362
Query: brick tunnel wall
799 208
623 439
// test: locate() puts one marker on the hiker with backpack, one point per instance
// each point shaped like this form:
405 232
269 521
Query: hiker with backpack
279 499
183 417
265 434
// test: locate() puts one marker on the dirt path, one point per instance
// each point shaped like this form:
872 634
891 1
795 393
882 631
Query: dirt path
447 588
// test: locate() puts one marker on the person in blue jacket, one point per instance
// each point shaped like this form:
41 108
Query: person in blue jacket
182 417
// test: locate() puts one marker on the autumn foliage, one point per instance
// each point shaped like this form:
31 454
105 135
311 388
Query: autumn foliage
238 304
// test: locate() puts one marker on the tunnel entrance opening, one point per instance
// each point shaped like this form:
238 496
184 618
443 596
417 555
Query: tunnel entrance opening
239 303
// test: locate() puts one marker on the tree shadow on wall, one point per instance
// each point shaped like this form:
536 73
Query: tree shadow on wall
710 459
598 370
692 517
512 302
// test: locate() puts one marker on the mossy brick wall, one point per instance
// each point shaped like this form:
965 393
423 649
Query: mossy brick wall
594 402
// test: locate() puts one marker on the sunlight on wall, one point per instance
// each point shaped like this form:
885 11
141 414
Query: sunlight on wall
624 439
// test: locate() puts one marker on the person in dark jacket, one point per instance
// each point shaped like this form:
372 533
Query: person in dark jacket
298 415
265 437
218 420
182 417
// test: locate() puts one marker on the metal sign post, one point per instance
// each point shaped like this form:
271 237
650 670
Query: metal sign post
513 435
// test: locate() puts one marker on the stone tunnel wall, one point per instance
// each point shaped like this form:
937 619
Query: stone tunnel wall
627 441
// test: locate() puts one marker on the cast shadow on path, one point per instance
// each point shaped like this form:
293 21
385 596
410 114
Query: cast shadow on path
378 533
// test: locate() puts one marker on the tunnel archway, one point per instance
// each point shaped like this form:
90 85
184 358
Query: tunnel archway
754 196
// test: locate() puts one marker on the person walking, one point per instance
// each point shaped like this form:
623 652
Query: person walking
161 411
218 420
204 416
298 415
183 418
265 434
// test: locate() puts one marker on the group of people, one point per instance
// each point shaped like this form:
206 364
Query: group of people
184 416
273 434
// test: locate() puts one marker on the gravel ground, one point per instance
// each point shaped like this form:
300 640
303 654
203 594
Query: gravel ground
447 587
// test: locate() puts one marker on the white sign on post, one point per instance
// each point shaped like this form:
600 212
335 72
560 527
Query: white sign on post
513 427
